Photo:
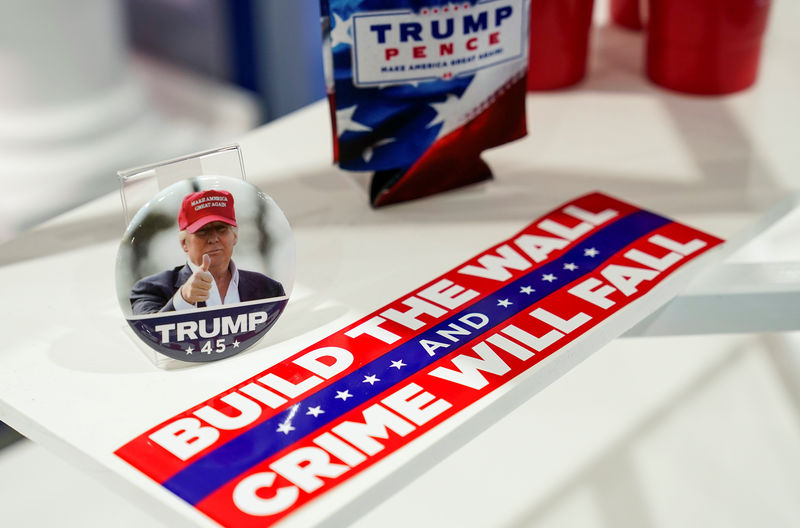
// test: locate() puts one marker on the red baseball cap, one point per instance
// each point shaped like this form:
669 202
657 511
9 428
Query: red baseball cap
203 207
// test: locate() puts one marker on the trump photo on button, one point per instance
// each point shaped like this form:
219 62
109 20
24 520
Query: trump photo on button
208 235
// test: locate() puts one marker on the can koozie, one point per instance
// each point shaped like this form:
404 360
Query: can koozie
419 88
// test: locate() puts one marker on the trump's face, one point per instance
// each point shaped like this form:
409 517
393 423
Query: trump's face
216 240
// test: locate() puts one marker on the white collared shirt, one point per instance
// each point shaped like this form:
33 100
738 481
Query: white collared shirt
231 297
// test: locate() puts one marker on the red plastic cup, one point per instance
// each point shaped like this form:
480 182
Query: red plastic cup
706 47
626 13
559 43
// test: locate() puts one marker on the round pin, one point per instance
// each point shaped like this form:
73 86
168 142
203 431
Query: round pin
205 268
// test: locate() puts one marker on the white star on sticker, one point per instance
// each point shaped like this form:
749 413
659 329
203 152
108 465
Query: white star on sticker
285 428
398 364
571 266
527 290
189 350
235 344
371 379
340 32
315 411
591 252
504 303
344 121
549 277
343 395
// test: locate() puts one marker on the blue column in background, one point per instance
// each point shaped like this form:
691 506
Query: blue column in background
288 47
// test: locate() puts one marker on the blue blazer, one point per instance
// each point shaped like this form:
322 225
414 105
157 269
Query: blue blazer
154 293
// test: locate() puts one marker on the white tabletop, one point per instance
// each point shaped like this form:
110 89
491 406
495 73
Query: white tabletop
71 379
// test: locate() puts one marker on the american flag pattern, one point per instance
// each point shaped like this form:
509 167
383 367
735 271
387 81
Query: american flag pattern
425 135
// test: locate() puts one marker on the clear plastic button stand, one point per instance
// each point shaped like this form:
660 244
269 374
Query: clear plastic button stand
140 184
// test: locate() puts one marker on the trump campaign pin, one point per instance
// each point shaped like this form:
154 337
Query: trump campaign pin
205 268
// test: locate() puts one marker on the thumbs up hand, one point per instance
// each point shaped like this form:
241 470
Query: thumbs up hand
197 288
